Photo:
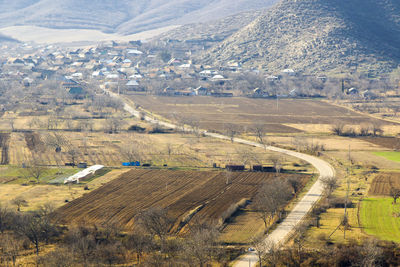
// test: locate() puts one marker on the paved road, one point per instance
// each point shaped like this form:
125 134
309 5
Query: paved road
303 207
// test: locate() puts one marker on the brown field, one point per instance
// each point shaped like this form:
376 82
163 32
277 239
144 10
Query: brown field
387 142
213 113
179 191
383 182
4 146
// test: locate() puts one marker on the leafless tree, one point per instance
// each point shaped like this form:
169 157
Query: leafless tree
5 218
36 226
113 125
231 131
329 184
295 183
19 202
10 247
201 245
131 152
34 169
73 154
82 242
277 162
395 194
139 243
338 128
260 132
376 129
261 247
156 222
271 198
365 129
56 141
11 122
371 253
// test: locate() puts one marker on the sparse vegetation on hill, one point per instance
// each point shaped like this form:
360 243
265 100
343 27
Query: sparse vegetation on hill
123 16
318 36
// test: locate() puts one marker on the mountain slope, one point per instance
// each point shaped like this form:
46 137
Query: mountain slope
318 36
123 16
214 31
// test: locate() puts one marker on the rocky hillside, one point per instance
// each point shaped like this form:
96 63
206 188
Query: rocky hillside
213 31
318 36
122 16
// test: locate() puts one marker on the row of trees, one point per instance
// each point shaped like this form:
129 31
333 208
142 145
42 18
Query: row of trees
366 129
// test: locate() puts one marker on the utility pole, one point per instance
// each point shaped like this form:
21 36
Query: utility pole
345 218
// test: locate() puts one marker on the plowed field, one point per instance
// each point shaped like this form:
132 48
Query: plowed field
382 184
387 142
214 113
180 191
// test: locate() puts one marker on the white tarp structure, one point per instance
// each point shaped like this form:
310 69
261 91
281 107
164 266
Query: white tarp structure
82 174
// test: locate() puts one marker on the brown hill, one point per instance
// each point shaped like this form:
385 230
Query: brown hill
318 36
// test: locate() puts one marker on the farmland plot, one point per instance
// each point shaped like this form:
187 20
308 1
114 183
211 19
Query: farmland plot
383 183
210 193
279 117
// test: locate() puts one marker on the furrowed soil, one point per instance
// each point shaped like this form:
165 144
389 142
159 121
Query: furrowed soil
4 146
208 193
383 182
387 142
214 113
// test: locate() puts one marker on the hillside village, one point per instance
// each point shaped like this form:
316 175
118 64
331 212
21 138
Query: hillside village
162 69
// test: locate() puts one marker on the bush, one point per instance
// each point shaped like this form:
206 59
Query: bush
339 202
136 128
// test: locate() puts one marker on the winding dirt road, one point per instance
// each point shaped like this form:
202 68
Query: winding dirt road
303 207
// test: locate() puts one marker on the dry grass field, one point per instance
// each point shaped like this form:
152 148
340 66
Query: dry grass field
210 193
213 113
37 195
173 149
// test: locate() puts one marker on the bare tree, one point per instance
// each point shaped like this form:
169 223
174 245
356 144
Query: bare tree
19 202
73 154
261 247
277 162
295 183
329 184
231 131
260 132
338 128
11 122
5 218
201 245
376 129
138 242
113 125
56 141
395 194
36 226
132 152
271 198
156 222
10 247
34 169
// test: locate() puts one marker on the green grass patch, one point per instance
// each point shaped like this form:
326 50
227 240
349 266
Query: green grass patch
390 155
379 217
17 175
